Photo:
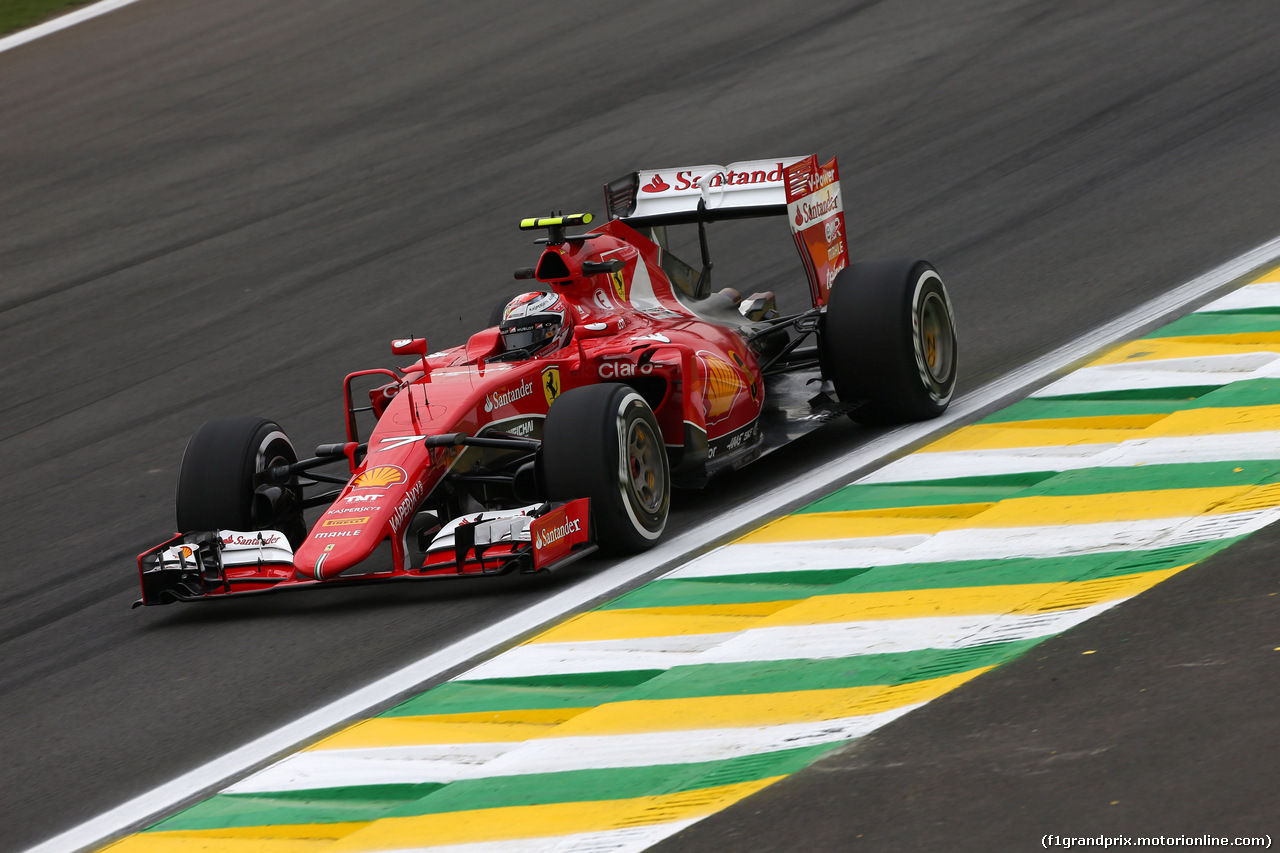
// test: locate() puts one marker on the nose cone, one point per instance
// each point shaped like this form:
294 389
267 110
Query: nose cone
340 540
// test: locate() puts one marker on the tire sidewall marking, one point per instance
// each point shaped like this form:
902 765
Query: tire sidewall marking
937 393
625 406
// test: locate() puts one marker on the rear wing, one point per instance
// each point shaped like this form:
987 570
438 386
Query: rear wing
807 193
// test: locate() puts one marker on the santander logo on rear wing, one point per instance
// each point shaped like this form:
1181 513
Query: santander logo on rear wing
806 192
721 189
815 209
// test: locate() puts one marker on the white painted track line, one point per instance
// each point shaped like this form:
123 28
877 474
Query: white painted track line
61 23
163 799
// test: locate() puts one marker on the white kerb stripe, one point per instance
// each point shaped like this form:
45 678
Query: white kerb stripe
61 23
1250 297
778 643
400 765
596 656
991 543
1159 450
1164 373
952 464
393 764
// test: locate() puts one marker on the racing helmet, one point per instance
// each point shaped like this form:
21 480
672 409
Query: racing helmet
536 322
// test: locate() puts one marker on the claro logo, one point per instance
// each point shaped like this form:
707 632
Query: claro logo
506 396
550 537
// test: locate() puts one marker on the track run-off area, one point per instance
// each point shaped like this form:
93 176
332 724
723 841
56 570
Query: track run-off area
221 207
627 723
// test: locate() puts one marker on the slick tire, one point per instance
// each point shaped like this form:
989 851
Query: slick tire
217 479
603 442
887 341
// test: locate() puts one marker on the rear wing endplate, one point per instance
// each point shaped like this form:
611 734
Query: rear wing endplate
807 193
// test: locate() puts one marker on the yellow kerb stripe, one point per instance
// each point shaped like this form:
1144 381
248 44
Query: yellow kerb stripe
1194 346
662 621
1073 431
1219 421
848 607
998 436
1097 422
481 727
288 838
756 709
1272 275
542 821
1039 510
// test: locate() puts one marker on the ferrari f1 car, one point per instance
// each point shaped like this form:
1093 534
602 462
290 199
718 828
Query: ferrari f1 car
564 426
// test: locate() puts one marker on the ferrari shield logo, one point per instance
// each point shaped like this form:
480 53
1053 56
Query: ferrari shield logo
551 383
619 285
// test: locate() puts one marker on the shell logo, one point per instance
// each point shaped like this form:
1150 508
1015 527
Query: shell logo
751 382
380 477
721 387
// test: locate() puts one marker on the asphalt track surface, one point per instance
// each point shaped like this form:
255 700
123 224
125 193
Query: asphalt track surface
216 207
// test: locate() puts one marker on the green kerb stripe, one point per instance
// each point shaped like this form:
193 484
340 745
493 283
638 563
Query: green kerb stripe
1217 323
620 783
785 676
1180 394
1083 481
754 588
322 805
573 690
1250 392
224 811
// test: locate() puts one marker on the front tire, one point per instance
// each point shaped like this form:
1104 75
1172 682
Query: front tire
888 341
603 442
217 479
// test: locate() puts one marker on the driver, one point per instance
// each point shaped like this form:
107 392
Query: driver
536 322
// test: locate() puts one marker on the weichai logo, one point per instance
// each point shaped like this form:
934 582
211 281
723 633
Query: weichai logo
345 522
380 477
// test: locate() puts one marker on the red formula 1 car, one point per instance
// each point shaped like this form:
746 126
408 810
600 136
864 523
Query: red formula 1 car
564 426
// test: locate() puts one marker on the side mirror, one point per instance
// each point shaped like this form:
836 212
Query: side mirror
483 344
409 346
586 331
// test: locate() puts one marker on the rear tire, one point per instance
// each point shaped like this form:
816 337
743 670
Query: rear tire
217 479
603 442
888 341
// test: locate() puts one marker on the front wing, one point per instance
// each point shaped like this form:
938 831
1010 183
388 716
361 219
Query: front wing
219 564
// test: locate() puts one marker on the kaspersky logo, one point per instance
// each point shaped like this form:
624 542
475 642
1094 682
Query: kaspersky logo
380 477
555 534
